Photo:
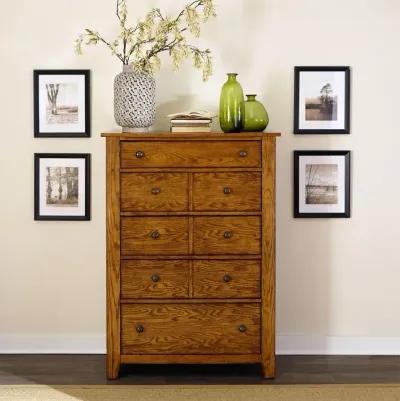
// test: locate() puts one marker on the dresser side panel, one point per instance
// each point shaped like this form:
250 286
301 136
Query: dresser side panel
113 257
268 258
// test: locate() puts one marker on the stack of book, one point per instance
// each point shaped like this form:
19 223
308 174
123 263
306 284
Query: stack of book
191 121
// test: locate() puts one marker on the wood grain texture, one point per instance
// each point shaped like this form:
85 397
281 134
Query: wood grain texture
190 329
268 259
113 258
137 239
190 136
226 279
197 359
155 278
227 191
154 192
190 189
208 213
188 154
191 301
191 233
190 278
191 257
209 235
191 170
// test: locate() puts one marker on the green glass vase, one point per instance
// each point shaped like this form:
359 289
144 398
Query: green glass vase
229 105
254 116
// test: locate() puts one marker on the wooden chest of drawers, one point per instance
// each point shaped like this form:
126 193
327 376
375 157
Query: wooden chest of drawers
190 249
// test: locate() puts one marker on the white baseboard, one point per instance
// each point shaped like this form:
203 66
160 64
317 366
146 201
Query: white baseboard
285 345
335 345
53 344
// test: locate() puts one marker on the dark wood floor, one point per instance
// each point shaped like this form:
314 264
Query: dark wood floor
90 369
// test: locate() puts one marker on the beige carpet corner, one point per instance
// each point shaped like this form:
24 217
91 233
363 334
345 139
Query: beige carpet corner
327 392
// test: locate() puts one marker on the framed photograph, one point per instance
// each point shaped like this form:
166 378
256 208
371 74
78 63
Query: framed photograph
62 186
321 100
322 183
61 103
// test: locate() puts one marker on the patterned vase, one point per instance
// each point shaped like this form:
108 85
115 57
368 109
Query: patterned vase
229 105
254 116
134 100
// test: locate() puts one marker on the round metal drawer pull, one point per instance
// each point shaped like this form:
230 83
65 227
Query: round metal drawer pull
228 234
243 153
227 278
139 328
155 191
139 154
227 190
155 234
242 328
155 278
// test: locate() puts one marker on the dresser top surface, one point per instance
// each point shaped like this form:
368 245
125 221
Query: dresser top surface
166 135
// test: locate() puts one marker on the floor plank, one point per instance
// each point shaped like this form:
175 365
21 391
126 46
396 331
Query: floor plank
291 369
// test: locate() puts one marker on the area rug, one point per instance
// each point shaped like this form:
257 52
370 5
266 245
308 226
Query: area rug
323 392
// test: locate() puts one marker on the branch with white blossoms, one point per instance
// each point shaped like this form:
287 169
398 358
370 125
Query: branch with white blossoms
141 44
93 38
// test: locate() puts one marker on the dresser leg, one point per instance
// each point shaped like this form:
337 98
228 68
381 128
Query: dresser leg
268 369
112 369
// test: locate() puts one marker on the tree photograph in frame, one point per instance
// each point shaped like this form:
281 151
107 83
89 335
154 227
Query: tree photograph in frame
322 100
62 186
322 183
61 103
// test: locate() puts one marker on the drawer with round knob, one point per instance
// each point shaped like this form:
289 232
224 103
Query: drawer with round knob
198 328
226 279
154 236
237 192
155 279
227 235
190 154
154 192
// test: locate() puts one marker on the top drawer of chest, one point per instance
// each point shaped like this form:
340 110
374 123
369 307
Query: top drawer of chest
190 154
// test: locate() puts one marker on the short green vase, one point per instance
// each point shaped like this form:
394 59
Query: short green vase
229 105
254 116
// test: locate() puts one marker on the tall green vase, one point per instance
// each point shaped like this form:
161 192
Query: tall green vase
229 105
254 116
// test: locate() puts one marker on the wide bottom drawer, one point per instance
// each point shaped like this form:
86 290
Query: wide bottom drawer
212 328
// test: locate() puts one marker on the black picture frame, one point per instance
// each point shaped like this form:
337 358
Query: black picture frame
36 109
87 158
296 174
296 123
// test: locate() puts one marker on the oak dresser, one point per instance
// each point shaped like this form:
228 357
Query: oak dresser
190 249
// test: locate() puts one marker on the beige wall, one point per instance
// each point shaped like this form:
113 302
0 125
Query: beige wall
338 279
